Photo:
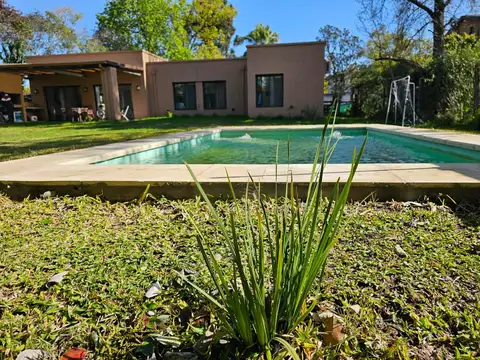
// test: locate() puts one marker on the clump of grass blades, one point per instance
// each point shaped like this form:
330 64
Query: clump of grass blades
277 262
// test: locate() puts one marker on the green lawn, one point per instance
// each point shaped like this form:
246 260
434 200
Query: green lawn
24 140
423 306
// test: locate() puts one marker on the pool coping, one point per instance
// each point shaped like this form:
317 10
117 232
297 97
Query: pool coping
72 172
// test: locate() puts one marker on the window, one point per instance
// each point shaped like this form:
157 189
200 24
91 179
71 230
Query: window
269 91
185 96
214 95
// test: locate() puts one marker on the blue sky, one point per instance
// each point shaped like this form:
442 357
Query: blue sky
294 20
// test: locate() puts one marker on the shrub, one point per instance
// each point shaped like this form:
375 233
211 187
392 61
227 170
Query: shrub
311 112
275 264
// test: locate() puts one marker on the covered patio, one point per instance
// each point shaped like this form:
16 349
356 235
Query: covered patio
63 91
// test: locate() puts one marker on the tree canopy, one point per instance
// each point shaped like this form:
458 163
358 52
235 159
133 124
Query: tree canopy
262 34
342 52
41 33
175 29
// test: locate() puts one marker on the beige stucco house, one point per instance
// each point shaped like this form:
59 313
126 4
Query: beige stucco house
272 80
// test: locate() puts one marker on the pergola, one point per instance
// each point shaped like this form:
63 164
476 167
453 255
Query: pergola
107 69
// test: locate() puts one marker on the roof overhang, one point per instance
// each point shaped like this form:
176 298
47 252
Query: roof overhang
78 69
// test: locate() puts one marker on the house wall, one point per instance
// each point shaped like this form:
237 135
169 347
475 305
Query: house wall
303 69
12 84
469 26
136 58
139 98
162 75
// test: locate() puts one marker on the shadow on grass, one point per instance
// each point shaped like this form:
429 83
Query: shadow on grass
48 146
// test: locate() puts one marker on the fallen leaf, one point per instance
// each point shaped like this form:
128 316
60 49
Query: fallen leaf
400 251
57 278
153 291
356 308
34 354
333 332
163 318
47 194
414 204
74 354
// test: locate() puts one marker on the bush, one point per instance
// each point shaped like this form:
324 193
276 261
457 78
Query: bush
311 112
274 265
446 119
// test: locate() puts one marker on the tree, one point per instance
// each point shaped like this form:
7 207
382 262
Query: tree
12 32
12 52
175 29
461 61
153 25
53 32
38 33
262 34
209 26
411 19
342 52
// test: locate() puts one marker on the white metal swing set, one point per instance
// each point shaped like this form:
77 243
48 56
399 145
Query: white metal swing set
402 91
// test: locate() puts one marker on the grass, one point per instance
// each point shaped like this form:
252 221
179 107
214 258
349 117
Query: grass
423 306
31 139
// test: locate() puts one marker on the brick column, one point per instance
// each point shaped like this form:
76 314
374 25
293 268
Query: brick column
110 93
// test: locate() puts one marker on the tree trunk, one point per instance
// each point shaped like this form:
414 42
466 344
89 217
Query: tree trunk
476 95
438 53
438 28
476 89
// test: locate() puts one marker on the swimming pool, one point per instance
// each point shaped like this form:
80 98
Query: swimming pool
259 147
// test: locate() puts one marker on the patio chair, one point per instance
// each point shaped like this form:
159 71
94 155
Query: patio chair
125 112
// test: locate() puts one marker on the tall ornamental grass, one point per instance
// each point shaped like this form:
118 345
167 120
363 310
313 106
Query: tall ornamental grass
280 257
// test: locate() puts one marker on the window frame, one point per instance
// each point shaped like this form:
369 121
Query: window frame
215 82
256 91
174 95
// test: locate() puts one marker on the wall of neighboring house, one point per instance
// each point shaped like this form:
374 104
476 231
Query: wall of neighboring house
303 68
162 75
469 26
39 82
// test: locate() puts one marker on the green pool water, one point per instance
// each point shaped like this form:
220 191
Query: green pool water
259 147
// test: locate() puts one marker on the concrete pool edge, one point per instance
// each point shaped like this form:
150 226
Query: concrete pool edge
72 173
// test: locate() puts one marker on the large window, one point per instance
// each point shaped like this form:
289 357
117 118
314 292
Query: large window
269 91
185 96
214 95
60 101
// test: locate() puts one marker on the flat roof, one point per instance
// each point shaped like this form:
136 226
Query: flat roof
196 61
99 53
288 44
469 17
78 66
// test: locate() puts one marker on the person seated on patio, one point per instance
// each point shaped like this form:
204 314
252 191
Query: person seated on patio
6 107
101 112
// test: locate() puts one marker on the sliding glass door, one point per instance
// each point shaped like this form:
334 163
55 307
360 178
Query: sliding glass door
125 95
60 101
